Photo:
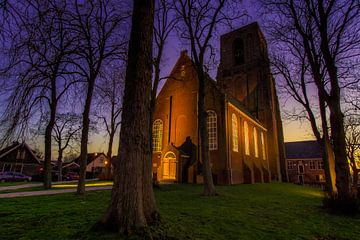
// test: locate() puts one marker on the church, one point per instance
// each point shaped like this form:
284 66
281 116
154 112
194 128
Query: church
243 118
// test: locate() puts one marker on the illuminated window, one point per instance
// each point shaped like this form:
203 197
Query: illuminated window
157 135
312 165
246 135
212 129
320 165
182 71
263 145
235 135
256 145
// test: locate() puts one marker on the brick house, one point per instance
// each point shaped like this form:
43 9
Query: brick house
304 162
244 125
19 157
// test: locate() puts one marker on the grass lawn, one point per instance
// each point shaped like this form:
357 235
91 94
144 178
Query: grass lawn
258 211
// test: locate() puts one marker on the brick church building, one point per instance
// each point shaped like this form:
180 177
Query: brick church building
244 125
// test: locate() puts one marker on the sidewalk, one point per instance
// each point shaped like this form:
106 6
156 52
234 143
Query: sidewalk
48 192
31 185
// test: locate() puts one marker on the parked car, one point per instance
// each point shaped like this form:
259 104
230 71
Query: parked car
71 176
13 176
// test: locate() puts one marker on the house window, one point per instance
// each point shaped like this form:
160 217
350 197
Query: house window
7 167
246 135
312 165
239 51
235 136
157 135
320 164
291 165
256 145
20 154
212 129
263 146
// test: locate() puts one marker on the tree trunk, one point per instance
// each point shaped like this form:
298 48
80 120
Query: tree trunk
209 188
132 207
109 155
48 138
60 157
85 137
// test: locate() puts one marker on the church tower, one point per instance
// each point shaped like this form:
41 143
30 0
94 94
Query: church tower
244 73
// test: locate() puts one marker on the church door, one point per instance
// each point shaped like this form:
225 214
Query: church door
169 166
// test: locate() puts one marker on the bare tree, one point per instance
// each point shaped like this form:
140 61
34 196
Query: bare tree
327 30
199 22
66 134
293 69
97 26
110 94
39 46
164 23
132 207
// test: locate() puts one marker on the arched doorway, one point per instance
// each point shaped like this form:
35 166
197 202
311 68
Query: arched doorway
169 166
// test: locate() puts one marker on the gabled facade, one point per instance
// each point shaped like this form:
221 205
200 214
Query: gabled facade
19 157
96 163
241 150
304 162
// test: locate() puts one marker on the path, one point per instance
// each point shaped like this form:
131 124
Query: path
49 192
31 185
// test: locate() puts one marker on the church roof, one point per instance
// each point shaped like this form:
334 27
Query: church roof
302 150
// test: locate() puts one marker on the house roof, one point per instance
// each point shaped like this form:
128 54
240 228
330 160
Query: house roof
302 150
90 157
5 151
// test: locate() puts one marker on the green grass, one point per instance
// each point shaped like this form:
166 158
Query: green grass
258 211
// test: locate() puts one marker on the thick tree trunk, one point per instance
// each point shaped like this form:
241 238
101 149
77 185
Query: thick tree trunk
132 206
209 188
85 138
341 163
47 159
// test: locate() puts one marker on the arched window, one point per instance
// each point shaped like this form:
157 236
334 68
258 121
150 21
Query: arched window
246 135
235 131
263 146
256 145
239 55
212 129
157 135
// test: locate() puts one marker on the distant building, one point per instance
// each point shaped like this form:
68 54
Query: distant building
304 162
96 163
19 157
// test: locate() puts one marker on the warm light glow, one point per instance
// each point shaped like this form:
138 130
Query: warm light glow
246 135
235 133
256 145
157 135
99 184
212 129
106 162
263 146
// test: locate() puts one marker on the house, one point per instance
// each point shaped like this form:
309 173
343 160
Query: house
96 163
243 117
304 162
19 157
